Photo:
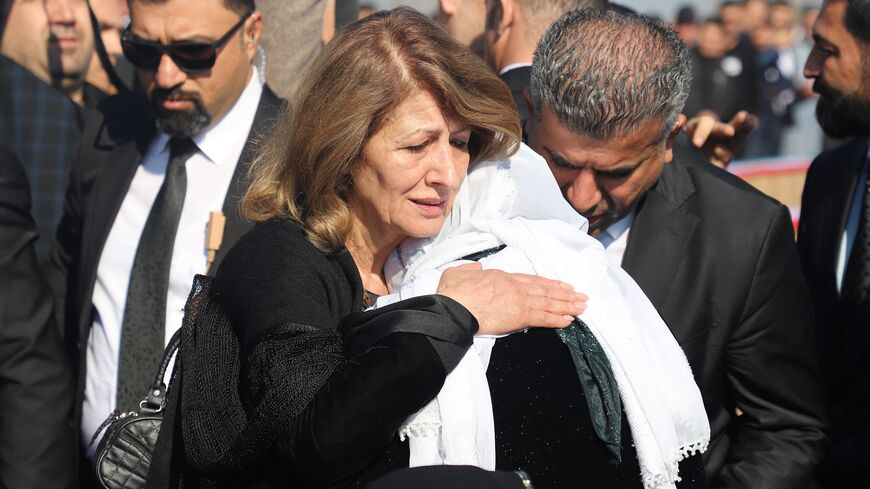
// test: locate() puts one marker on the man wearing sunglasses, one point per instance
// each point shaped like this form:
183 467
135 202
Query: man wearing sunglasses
149 173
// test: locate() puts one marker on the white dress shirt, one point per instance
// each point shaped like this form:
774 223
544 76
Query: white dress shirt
848 238
512 66
209 174
615 237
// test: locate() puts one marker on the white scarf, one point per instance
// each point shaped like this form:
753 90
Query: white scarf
517 203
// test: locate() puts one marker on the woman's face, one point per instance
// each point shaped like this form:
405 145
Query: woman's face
411 171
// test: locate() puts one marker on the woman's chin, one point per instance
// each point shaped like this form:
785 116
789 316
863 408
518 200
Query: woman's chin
426 229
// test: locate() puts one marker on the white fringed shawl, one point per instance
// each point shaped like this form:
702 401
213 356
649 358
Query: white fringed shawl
516 202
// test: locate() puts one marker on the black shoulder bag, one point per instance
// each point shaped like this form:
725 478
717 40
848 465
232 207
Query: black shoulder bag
123 457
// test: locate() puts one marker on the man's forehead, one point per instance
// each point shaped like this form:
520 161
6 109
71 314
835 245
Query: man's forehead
830 28
600 157
582 150
830 18
180 20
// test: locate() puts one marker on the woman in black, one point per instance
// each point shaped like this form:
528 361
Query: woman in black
283 380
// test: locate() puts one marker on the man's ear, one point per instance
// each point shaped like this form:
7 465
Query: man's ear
508 11
669 142
253 30
499 16
527 98
448 8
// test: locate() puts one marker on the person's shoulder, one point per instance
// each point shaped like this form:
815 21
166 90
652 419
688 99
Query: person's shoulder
278 233
836 161
279 251
728 209
720 187
273 274
270 243
271 253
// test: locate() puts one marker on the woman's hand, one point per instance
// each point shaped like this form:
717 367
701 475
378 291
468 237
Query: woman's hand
506 302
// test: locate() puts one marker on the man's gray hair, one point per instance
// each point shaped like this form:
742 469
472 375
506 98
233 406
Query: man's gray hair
605 72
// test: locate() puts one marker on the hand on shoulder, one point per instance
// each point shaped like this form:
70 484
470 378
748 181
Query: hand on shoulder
507 302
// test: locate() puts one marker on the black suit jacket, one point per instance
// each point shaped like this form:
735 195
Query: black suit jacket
517 80
718 261
114 141
844 354
36 439
41 126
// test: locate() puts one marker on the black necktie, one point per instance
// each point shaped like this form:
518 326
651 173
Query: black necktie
143 333
856 286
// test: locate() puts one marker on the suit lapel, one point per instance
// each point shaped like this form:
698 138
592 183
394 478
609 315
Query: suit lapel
857 339
835 211
264 120
660 234
110 189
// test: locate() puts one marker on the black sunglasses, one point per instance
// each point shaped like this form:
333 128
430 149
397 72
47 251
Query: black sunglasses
190 56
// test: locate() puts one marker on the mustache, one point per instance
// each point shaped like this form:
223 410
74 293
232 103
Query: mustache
824 90
159 95
55 37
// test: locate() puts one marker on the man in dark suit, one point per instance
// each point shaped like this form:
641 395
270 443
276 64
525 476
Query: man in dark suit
714 256
834 234
149 174
37 121
36 389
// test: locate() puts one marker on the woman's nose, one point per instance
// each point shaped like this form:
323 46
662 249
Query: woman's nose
445 167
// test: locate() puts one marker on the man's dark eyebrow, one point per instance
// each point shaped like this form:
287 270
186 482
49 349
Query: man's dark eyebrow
621 171
820 39
560 161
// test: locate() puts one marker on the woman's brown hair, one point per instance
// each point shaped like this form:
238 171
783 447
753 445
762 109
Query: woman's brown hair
370 67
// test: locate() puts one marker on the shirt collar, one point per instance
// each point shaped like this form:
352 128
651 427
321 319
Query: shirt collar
512 66
216 142
621 226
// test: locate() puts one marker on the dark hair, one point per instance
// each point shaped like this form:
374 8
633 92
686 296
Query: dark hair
605 72
858 19
241 7
715 19
686 15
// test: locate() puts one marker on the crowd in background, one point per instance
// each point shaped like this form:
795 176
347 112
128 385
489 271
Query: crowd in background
750 56
88 133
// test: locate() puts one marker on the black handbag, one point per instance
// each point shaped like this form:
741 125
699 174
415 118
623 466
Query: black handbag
123 456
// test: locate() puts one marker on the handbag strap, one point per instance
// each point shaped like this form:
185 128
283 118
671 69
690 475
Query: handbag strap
156 398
